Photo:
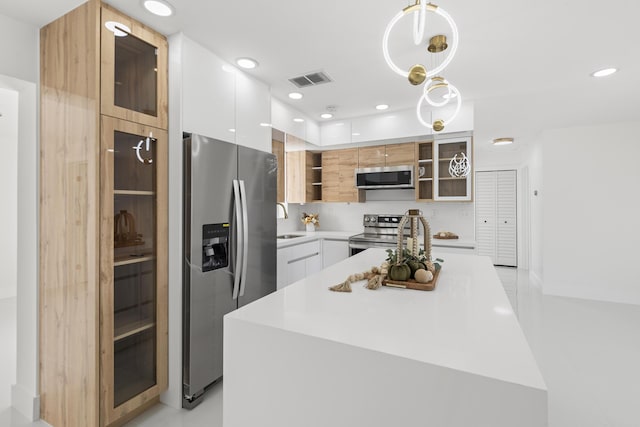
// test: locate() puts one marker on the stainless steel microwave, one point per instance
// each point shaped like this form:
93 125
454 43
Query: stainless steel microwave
385 177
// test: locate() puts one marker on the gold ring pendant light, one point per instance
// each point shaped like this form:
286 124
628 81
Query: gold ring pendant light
418 73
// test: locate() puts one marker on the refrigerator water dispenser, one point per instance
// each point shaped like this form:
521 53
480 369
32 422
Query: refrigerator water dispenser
215 246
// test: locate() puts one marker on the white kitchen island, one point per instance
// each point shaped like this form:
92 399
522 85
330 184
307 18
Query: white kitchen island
456 356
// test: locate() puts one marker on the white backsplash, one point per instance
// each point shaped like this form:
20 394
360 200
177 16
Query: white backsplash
457 217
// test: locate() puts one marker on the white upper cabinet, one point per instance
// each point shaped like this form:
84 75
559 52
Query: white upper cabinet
208 93
253 113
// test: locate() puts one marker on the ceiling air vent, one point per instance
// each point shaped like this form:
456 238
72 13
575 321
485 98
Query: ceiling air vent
310 79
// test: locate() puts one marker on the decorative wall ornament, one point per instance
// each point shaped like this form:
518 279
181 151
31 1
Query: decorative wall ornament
147 142
459 168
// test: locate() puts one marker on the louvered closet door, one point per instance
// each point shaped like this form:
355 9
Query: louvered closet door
506 243
486 214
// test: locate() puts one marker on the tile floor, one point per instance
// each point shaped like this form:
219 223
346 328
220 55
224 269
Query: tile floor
588 353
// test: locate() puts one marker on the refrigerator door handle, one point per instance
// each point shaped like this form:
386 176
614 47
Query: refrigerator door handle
245 237
239 240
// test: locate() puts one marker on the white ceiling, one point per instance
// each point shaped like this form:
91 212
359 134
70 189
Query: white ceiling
524 64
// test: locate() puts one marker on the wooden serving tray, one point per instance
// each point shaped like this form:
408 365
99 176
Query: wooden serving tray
412 284
436 236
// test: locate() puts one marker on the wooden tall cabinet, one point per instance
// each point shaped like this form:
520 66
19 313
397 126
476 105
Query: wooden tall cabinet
103 218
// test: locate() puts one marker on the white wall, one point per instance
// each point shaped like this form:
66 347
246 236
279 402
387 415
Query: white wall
19 72
536 194
590 221
442 216
9 191
18 49
24 394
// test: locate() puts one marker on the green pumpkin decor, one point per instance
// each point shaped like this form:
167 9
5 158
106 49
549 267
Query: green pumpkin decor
400 272
415 265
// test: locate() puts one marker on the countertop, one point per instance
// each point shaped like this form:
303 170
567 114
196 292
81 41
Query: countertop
344 235
306 236
465 324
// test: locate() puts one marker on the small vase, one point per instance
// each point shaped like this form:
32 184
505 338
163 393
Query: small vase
310 227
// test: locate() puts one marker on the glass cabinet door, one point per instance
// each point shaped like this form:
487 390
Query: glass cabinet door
133 261
134 70
448 187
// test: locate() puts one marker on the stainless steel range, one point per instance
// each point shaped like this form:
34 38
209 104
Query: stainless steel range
380 231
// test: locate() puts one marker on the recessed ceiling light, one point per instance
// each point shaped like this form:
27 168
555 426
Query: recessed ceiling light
295 95
158 7
264 125
604 72
326 115
118 29
247 63
382 107
298 120
450 95
232 130
503 141
355 134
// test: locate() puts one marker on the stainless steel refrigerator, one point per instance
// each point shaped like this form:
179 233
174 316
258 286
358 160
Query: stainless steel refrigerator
229 248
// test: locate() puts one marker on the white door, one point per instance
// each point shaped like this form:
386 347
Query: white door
486 214
506 241
496 228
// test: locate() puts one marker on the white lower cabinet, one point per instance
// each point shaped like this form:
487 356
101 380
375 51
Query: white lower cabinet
298 261
334 251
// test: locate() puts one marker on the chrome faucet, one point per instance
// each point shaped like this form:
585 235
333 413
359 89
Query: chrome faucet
286 215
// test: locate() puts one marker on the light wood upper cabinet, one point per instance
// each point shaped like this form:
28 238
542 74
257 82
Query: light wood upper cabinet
400 154
371 157
304 176
134 71
338 176
386 155
424 171
330 176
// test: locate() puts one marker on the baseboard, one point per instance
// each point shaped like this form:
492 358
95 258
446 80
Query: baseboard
24 402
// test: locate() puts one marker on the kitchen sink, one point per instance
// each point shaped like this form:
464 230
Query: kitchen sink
289 236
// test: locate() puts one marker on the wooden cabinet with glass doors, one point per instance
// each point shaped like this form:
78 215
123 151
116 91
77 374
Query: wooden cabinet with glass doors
133 265
134 71
448 187
103 218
